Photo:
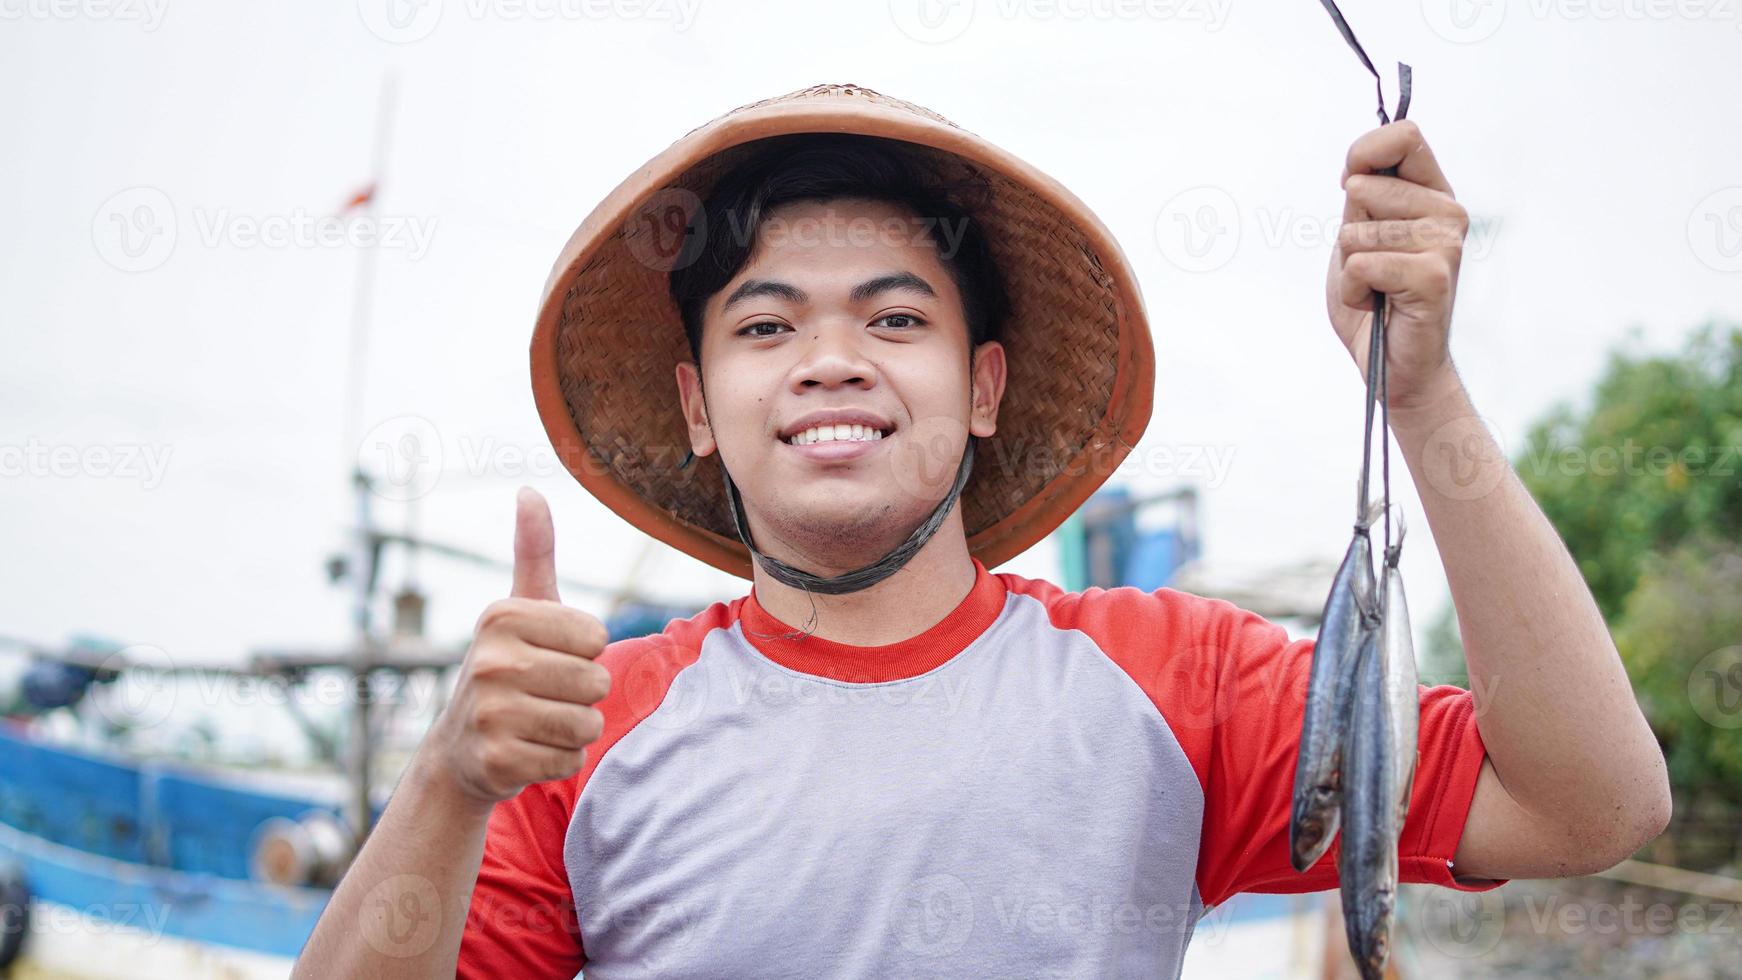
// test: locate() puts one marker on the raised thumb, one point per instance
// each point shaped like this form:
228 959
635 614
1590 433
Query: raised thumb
534 547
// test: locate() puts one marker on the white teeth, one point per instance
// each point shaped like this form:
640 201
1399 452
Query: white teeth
836 433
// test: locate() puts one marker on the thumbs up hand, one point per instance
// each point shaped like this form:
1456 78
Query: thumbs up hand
522 711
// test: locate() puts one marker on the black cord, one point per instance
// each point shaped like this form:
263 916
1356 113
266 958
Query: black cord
1376 347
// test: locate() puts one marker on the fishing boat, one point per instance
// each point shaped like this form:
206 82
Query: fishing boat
128 854
141 868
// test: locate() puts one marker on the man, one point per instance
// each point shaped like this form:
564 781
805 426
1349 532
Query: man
887 760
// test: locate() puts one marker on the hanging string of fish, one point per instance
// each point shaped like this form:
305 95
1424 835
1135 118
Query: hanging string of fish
1358 733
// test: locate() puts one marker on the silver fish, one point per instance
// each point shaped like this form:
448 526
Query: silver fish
1379 770
1367 855
1402 698
1348 615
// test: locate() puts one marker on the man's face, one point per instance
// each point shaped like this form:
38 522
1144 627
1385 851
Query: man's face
844 316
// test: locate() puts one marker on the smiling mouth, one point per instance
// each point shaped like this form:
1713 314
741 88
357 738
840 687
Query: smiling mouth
836 433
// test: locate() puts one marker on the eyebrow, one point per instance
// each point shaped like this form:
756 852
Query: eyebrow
887 282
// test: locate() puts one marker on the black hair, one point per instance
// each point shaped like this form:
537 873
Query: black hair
826 167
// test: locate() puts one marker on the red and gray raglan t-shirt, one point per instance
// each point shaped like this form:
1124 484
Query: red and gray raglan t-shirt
1044 784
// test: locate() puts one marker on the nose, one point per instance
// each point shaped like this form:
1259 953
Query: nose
833 357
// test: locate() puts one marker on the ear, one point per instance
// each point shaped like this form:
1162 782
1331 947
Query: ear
695 408
988 389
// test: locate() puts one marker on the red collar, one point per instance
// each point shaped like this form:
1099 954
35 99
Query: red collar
892 661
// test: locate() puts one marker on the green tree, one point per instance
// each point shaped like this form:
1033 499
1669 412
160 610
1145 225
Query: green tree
1653 461
1679 634
1442 659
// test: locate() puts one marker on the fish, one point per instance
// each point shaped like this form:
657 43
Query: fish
1402 697
1379 756
1367 855
1367 863
1349 613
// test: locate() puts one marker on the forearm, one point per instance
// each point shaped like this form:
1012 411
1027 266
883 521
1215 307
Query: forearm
401 907
1555 709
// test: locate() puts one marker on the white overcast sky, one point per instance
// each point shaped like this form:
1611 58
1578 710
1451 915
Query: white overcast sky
1587 139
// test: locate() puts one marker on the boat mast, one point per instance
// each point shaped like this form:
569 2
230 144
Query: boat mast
365 565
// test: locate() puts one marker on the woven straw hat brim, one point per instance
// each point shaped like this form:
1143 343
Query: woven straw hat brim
1081 365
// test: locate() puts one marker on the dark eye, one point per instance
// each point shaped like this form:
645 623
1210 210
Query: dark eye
909 320
755 329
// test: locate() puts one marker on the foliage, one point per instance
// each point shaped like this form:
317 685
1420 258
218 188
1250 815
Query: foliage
1678 634
1656 458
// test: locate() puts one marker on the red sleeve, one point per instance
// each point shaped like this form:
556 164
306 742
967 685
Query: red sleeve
522 918
1232 687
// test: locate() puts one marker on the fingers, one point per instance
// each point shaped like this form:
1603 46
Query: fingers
552 724
1401 145
561 677
561 725
508 767
547 624
534 547
1370 196
1393 273
1419 235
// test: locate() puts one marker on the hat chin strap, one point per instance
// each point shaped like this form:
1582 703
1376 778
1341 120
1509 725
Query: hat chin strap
858 578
